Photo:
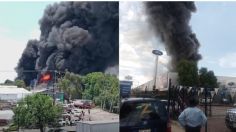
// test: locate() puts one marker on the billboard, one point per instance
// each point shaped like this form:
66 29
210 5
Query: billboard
125 88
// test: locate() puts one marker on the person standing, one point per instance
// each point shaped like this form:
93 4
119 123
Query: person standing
82 115
89 111
192 118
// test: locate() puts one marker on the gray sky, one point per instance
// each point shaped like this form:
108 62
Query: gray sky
214 24
19 23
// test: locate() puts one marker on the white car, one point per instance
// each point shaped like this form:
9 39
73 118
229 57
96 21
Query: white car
208 100
76 111
76 121
73 122
62 122
77 114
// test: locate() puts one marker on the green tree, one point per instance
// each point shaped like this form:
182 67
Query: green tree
188 73
103 89
8 82
207 78
94 84
71 85
37 110
231 84
20 83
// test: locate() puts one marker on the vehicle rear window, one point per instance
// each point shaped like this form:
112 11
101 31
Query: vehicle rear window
139 111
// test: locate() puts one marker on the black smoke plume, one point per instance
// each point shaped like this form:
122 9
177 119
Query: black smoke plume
80 37
171 23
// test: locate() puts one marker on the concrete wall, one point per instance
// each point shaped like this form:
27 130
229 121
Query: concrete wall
8 96
98 126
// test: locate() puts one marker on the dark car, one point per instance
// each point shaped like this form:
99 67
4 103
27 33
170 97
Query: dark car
87 105
230 119
56 130
143 115
84 104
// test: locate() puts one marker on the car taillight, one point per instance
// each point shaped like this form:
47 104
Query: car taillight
168 126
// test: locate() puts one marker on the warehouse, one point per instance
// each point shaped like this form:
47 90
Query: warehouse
12 93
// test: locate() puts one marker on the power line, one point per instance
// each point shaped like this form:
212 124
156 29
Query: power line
57 71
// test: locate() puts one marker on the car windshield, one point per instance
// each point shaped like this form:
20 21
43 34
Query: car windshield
134 113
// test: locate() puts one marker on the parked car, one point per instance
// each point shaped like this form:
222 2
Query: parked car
84 104
143 115
62 122
73 111
225 101
208 100
230 119
73 122
56 130
65 115
77 113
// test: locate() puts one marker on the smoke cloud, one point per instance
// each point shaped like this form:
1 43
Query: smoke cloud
171 23
80 37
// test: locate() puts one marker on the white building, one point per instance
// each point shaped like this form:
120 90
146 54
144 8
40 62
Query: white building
162 82
12 93
225 81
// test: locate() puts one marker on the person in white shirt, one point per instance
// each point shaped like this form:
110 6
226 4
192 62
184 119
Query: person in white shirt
192 118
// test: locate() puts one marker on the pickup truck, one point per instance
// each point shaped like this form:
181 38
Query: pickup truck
230 119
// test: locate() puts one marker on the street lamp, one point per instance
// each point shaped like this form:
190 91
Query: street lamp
157 53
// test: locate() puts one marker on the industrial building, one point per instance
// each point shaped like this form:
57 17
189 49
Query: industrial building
161 82
12 93
226 91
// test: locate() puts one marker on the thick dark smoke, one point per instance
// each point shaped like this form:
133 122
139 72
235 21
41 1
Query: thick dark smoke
27 62
171 22
80 37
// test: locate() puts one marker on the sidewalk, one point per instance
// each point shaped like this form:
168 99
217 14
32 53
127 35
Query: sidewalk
175 127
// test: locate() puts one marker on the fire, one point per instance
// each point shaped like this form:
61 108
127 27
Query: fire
45 77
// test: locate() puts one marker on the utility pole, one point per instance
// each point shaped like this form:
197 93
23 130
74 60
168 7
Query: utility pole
54 85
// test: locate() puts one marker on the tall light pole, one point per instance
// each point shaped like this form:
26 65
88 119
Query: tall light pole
157 53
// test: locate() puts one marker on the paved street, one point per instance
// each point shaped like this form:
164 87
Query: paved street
175 127
98 114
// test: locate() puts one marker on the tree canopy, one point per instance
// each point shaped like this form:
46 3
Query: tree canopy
71 85
188 73
207 78
99 87
36 110
8 82
190 76
17 82
20 83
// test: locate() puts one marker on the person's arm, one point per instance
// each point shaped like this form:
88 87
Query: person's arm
204 119
182 119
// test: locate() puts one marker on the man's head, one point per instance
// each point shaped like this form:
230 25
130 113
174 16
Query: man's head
193 101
